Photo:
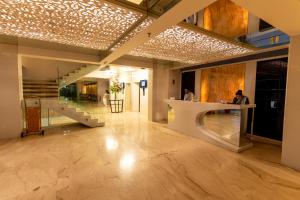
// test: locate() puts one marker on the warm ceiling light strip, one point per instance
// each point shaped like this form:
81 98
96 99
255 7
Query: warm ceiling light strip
188 46
97 24
93 24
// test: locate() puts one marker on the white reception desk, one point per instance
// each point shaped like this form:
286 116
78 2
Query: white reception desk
224 125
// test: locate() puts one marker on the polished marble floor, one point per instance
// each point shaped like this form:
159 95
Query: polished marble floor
133 159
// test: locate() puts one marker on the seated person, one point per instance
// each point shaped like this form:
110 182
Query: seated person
188 95
240 98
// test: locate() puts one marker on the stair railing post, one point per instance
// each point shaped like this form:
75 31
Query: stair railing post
58 83
48 118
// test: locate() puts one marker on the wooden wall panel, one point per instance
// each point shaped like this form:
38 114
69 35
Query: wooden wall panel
221 83
89 89
226 18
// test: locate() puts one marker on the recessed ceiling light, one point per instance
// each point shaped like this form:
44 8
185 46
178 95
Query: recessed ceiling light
138 2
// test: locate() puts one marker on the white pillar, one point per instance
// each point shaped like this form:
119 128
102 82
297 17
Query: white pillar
160 92
250 80
78 88
291 130
200 20
11 92
174 84
150 94
253 23
102 86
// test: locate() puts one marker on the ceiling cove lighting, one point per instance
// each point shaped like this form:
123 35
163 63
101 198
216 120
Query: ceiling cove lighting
138 2
93 24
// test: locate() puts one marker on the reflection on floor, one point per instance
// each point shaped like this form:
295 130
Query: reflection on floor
223 123
131 158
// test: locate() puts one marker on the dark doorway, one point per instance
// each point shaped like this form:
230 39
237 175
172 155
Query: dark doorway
187 82
270 98
69 91
264 26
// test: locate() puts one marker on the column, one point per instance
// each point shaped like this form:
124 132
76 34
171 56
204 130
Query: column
174 83
197 84
291 129
253 23
250 80
11 92
78 89
160 91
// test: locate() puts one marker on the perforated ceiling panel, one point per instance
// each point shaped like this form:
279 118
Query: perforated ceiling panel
148 21
88 23
188 46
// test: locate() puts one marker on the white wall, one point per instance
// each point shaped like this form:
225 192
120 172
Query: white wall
291 130
127 97
135 97
11 93
144 102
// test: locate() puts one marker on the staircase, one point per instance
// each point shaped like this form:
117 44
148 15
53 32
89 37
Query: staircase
71 112
47 91
40 88
76 74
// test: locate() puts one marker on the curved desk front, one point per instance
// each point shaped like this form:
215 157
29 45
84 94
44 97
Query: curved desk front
224 125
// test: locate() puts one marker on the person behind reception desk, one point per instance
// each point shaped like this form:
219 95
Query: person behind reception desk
240 98
188 95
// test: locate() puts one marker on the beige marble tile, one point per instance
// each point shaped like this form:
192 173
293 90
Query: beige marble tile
131 158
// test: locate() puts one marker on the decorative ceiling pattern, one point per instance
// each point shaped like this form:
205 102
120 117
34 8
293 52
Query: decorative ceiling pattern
86 23
188 46
147 22
97 24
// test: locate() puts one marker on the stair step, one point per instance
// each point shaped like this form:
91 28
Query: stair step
39 96
41 89
37 82
40 86
73 112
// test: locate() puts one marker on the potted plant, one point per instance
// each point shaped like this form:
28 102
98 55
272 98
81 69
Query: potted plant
115 88
116 105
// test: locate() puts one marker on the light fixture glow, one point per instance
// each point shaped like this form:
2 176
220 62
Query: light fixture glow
97 24
127 161
188 46
93 24
135 1
111 143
